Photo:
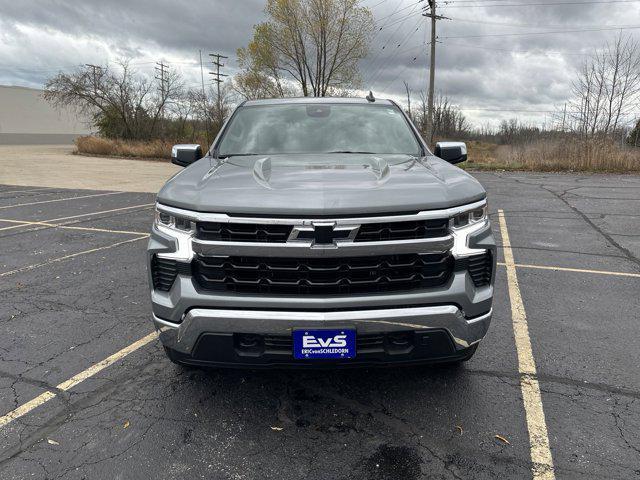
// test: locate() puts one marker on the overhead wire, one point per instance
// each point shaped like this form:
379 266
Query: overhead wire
457 4
375 77
549 32
376 67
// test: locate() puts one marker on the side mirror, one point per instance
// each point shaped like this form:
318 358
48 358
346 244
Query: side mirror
452 152
185 154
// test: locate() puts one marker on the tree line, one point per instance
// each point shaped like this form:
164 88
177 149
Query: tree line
313 48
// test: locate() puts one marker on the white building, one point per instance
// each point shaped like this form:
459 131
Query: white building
25 118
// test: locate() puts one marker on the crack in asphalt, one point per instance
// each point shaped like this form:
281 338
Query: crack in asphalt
626 252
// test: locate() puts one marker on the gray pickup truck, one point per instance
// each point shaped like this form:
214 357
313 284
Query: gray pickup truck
321 232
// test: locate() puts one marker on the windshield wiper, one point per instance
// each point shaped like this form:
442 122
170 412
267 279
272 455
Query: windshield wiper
351 151
227 155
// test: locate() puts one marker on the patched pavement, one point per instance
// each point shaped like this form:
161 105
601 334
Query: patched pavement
73 292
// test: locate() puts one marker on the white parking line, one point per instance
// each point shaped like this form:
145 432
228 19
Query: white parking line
542 461
574 270
72 255
144 205
60 200
68 227
75 380
28 191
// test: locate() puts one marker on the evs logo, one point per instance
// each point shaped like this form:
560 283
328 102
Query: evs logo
310 341
309 344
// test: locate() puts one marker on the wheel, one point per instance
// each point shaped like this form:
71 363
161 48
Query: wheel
469 352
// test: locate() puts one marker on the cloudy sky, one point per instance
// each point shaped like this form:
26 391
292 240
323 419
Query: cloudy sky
496 58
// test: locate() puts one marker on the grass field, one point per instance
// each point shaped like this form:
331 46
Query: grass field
559 155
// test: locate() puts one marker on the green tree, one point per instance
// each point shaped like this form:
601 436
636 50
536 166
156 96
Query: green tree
313 44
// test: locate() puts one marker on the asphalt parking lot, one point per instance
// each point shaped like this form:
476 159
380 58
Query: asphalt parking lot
86 391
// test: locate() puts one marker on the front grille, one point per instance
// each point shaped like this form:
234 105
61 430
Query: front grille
164 272
322 276
378 232
243 232
480 268
274 233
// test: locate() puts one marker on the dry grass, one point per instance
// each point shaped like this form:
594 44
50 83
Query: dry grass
567 155
562 155
155 149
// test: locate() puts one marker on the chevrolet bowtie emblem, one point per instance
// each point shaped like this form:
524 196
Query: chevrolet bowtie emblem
323 233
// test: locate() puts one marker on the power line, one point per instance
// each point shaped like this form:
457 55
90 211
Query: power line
551 32
397 10
547 52
522 25
555 4
378 71
376 4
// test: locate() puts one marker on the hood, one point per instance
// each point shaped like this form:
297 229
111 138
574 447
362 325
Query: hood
320 185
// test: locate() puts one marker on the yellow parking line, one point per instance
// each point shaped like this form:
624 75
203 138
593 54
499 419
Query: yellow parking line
72 255
68 227
26 223
60 200
26 408
75 380
575 270
542 461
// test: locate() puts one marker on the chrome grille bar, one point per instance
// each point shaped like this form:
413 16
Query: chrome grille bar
307 249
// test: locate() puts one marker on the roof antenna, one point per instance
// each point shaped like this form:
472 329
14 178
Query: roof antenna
370 97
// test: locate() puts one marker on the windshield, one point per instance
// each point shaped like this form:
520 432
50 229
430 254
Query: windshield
318 128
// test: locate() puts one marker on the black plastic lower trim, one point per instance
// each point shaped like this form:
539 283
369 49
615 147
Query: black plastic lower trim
228 350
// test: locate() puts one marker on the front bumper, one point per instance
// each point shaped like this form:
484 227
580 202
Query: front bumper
206 327
430 333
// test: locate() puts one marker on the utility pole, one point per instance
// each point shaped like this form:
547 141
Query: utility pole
202 75
564 116
204 100
430 12
95 69
217 79
406 87
164 80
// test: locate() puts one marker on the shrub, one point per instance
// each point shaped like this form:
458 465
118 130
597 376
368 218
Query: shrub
106 147
94 145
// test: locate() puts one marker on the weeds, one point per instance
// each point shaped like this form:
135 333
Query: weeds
157 149
558 155
570 154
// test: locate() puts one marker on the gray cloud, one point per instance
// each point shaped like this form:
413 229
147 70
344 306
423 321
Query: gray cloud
478 66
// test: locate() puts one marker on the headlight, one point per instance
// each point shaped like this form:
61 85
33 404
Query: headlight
174 222
469 217
465 224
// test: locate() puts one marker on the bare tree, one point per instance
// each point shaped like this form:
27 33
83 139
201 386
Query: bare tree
607 88
316 44
448 119
121 103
